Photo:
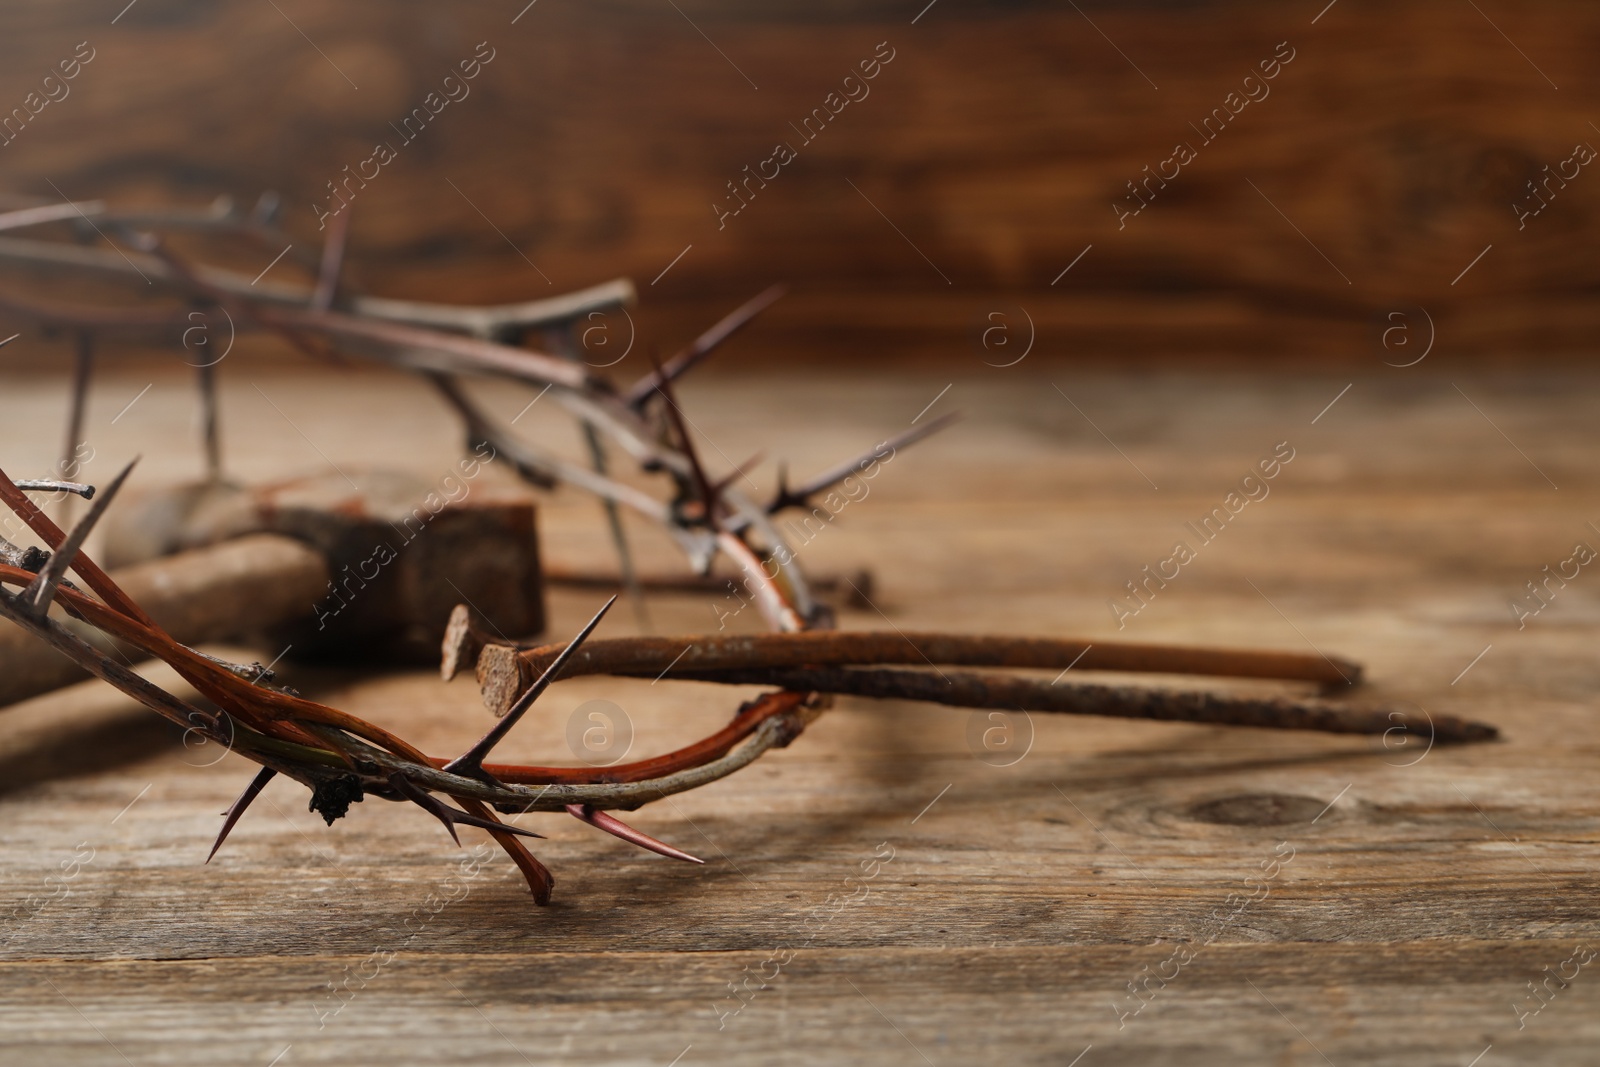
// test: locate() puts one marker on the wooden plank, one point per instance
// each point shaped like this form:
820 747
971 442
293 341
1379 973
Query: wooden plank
1038 1005
1343 899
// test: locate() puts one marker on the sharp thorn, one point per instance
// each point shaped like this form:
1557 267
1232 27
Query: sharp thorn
614 826
426 801
448 815
541 883
708 496
8 340
738 472
231 816
484 824
641 391
43 588
470 762
784 497
797 497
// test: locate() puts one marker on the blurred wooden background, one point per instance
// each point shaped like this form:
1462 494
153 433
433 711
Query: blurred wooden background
1388 155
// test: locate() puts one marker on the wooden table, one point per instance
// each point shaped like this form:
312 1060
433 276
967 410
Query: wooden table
1416 892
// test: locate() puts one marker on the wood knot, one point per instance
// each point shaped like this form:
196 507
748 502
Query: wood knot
1257 809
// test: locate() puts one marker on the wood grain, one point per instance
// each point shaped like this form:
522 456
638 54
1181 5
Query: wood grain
1388 155
1426 888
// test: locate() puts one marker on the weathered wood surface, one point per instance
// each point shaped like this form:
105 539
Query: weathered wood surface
997 140
1426 888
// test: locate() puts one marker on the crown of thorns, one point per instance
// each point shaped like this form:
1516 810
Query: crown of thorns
342 759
